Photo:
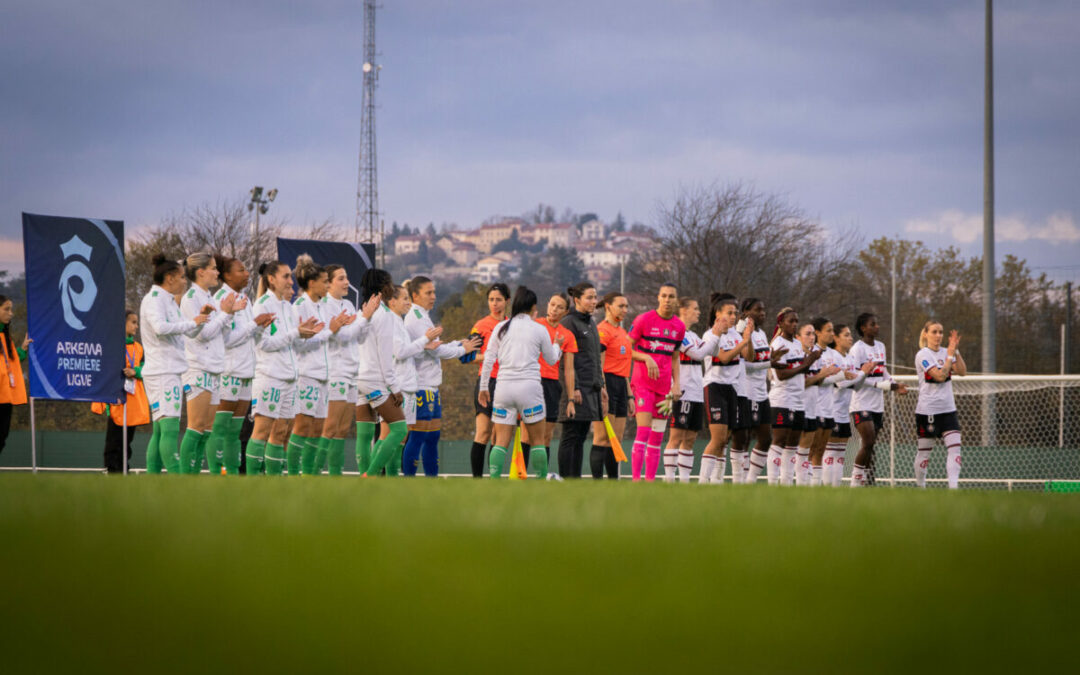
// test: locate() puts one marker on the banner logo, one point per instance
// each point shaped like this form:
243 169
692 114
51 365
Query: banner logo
71 299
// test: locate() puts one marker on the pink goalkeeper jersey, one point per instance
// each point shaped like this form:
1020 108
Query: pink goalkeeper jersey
658 337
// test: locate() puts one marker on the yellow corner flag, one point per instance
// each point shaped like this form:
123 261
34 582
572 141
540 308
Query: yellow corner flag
616 446
518 470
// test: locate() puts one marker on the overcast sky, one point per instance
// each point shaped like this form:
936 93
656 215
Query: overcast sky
864 114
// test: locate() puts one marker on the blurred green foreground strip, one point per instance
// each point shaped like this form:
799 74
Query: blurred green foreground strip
173 574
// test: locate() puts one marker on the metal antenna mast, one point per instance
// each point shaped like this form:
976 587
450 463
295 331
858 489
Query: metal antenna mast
367 189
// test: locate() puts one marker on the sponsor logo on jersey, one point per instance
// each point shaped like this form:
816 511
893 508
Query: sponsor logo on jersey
536 409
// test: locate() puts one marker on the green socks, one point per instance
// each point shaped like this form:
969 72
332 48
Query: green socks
309 454
538 459
335 456
256 452
215 447
294 452
393 465
231 446
387 447
170 431
275 459
153 457
190 460
365 431
321 444
496 460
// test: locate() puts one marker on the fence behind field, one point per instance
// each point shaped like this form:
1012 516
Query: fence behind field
1034 432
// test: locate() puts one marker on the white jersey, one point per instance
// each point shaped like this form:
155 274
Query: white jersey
406 351
274 354
829 391
163 330
344 353
757 370
868 396
314 353
377 353
205 350
519 352
812 392
935 398
240 338
789 393
692 354
429 362
724 373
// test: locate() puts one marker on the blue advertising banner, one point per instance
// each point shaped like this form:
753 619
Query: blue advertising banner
75 307
355 258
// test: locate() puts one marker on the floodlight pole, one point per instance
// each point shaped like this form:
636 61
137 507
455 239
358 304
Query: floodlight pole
989 365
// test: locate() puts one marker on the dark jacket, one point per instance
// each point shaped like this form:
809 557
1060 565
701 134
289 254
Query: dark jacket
588 364
588 368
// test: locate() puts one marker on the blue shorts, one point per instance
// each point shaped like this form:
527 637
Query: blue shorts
428 405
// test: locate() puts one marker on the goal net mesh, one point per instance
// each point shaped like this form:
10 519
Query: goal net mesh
1019 432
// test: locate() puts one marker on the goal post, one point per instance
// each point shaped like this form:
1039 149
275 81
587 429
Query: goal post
1034 426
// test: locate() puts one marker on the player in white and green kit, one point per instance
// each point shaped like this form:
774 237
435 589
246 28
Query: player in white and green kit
276 368
163 332
239 365
205 354
344 366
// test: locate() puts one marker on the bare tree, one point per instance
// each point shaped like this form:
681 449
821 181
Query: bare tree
736 239
222 228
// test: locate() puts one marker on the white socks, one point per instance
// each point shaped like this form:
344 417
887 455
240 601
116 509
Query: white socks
833 463
858 476
787 466
705 473
922 460
774 461
686 465
758 461
803 469
815 476
670 455
738 462
952 458
719 469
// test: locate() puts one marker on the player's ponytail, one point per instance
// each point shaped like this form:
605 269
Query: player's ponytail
267 270
524 303
377 282
923 339
195 262
717 302
306 270
780 318
163 267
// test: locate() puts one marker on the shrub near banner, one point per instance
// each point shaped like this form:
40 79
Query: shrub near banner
75 307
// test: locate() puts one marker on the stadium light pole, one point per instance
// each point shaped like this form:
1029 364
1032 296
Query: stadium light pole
989 315
259 204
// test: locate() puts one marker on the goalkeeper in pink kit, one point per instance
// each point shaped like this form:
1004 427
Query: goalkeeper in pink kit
656 337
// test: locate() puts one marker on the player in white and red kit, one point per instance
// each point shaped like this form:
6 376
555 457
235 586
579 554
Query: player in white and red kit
756 410
786 397
935 412
656 336
868 401
723 383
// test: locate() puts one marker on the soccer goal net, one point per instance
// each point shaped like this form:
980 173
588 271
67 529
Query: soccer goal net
1019 432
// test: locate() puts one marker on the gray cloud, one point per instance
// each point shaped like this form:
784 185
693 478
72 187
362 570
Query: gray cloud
864 113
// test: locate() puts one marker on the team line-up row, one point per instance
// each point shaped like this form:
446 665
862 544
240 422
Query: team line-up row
311 367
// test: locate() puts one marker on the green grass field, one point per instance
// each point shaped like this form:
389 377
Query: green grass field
176 574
